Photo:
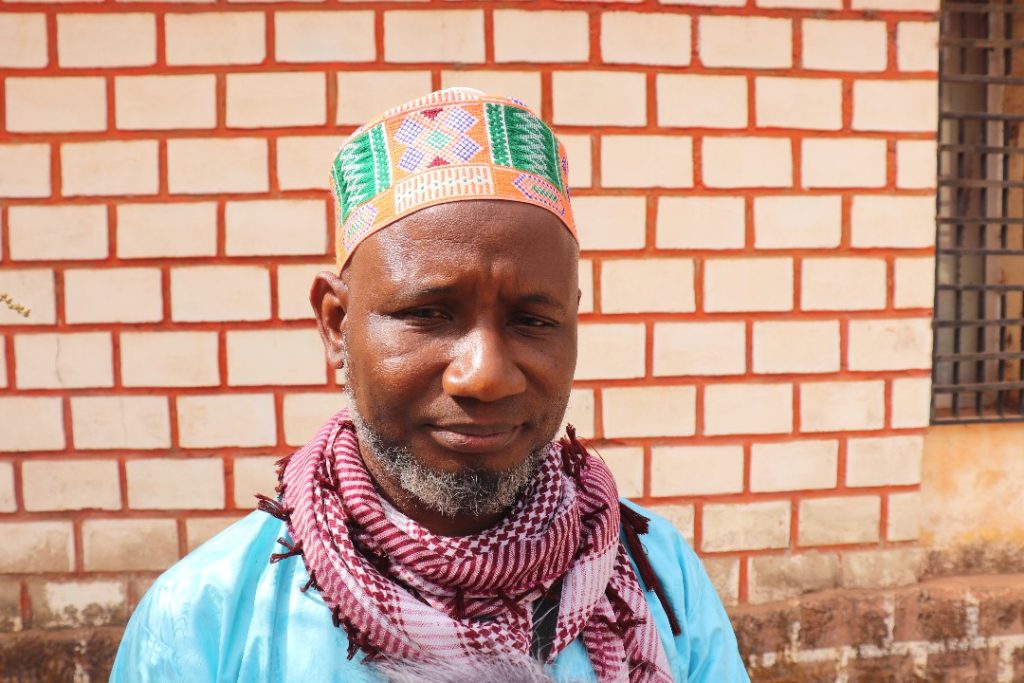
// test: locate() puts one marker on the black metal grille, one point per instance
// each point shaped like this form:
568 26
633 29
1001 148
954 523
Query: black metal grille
979 297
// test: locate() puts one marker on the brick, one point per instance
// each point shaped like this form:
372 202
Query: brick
306 413
900 344
523 85
892 221
581 98
544 36
610 222
55 104
842 406
844 45
586 283
809 103
119 422
755 42
825 284
98 40
649 411
199 530
843 162
129 544
126 295
681 517
917 46
165 102
253 475
796 346
577 148
70 485
109 168
215 166
226 420
832 521
627 466
610 351
884 461
301 161
169 359
748 409
175 483
32 288
204 293
55 233
696 470
900 5
215 38
324 36
24 168
797 222
646 161
700 348
434 36
801 4
75 604
63 361
662 285
267 100
794 466
746 526
8 500
911 402
895 105
293 285
747 162
23 40
748 284
274 357
904 512
31 423
10 606
706 3
688 100
580 412
882 568
914 282
275 227
779 577
37 547
915 164
645 38
364 94
701 223
724 573
166 230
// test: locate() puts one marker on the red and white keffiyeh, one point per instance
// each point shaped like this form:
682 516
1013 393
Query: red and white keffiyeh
404 593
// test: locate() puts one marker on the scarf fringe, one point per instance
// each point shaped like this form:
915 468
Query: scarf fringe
633 526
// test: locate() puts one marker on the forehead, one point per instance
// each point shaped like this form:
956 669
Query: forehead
468 239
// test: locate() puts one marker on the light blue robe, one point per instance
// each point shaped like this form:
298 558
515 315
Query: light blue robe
224 613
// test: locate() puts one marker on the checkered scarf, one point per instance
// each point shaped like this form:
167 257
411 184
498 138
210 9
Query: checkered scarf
402 592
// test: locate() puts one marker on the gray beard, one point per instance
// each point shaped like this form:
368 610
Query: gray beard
471 491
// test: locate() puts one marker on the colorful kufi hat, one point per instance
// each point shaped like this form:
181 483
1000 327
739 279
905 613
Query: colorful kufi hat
450 145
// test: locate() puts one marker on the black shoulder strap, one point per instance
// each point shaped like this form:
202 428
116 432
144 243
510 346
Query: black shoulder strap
545 619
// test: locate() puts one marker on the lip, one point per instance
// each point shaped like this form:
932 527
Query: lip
474 438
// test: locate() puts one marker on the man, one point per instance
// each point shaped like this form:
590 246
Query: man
433 531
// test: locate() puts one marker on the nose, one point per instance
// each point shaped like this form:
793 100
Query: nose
483 368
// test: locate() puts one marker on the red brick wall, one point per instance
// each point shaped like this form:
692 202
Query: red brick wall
754 184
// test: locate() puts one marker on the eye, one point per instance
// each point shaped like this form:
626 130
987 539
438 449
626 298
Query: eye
532 321
424 314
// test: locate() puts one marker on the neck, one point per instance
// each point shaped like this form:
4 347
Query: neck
437 523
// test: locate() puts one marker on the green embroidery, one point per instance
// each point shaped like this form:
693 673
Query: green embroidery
522 141
362 169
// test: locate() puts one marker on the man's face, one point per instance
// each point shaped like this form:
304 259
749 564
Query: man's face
459 330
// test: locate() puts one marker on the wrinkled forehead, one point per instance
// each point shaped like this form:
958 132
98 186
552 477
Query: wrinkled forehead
466 242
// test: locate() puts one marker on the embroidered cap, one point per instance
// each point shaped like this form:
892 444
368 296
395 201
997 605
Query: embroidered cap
450 145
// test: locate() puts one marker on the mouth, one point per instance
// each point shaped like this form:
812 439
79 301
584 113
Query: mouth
474 438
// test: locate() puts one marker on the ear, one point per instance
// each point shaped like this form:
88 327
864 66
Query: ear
329 298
